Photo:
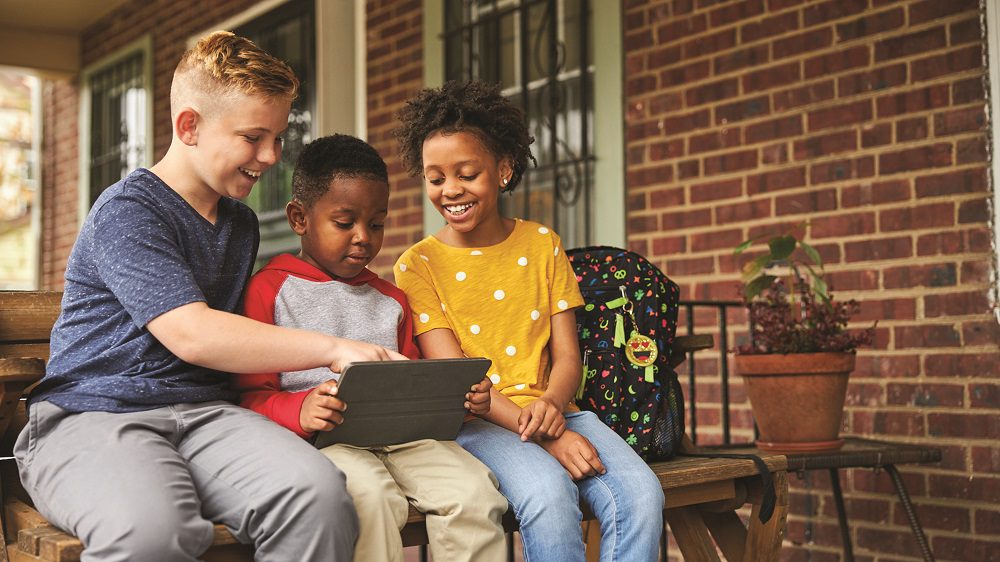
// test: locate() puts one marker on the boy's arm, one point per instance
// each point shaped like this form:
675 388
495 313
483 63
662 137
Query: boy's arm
231 343
262 393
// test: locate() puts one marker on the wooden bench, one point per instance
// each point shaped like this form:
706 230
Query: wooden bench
702 494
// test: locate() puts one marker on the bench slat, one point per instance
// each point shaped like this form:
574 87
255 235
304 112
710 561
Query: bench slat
28 316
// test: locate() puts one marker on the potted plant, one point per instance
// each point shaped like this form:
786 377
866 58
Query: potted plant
800 355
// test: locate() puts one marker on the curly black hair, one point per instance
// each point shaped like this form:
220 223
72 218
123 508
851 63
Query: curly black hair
334 157
474 107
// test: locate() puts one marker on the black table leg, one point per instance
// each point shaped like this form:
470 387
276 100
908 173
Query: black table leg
838 500
911 515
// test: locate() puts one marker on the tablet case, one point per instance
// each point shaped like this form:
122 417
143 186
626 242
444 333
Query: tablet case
392 402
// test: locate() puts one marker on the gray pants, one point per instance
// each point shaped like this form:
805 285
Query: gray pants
148 485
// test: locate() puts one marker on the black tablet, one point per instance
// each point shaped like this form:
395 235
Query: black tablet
392 402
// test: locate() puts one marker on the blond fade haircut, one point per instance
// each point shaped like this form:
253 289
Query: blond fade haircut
222 64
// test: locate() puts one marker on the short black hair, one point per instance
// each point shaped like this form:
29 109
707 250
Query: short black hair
474 107
333 157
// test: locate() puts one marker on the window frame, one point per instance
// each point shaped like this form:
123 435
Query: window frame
144 45
608 124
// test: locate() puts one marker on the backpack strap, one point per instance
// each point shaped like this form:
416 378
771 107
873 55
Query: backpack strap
767 485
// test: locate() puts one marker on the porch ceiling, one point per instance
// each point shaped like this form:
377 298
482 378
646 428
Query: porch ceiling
44 35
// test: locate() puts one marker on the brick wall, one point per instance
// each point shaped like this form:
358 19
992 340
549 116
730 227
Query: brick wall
866 117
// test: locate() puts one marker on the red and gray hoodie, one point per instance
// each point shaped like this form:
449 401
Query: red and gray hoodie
290 292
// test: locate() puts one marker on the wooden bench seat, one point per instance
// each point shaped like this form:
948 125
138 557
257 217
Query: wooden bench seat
701 493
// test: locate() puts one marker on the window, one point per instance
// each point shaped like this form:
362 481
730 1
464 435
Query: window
540 52
288 33
116 102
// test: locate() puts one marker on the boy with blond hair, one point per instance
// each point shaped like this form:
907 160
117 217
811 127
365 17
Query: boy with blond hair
133 443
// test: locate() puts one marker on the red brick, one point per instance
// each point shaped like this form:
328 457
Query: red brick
840 115
694 266
637 85
832 10
804 42
661 198
665 150
716 190
931 97
743 109
878 249
910 44
804 95
688 169
743 212
933 9
639 40
774 154
987 522
965 31
724 138
851 224
939 243
977 271
839 170
870 24
911 129
890 423
932 156
967 91
769 27
950 183
665 103
876 135
912 218
826 145
960 121
985 365
865 280
970 150
937 517
925 395
680 28
669 245
741 59
637 202
956 304
773 129
638 224
872 80
731 162
959 60
735 11
984 395
650 176
965 548
970 426
811 202
981 333
708 44
934 275
974 212
836 62
712 92
771 77
987 459
777 180
715 240
686 219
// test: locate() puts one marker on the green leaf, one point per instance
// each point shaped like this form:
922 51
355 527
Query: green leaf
756 287
740 249
782 247
811 252
820 289
753 268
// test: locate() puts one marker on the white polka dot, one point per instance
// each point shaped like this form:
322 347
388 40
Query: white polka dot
499 294
520 386
511 350
555 252
495 378
535 315
423 257
402 267
442 307
474 328
460 276
476 253
562 304
522 261
543 230
424 318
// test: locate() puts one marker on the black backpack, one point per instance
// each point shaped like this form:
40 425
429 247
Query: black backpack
625 327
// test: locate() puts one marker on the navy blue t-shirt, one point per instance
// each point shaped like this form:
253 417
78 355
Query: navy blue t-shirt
143 251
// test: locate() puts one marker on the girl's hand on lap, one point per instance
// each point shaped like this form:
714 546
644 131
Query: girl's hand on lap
478 400
575 453
542 419
322 410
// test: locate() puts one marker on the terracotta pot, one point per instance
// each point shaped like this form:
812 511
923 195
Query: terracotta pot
797 399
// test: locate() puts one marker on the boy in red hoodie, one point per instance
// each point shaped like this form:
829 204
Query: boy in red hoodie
340 198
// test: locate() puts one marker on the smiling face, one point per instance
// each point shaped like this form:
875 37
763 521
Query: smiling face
463 180
342 231
235 145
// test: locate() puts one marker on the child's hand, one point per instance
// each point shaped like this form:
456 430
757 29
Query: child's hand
478 401
351 351
576 454
542 419
321 410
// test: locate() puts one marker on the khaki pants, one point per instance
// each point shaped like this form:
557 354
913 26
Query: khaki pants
456 492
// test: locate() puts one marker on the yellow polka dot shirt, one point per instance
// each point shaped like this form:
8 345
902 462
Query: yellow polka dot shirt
498 301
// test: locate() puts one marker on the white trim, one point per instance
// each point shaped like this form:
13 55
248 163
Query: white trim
360 70
433 78
993 110
144 44
337 65
608 208
228 24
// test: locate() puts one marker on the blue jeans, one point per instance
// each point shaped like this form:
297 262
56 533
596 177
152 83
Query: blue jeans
627 499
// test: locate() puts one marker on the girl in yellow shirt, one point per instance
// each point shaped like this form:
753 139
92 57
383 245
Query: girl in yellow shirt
486 285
